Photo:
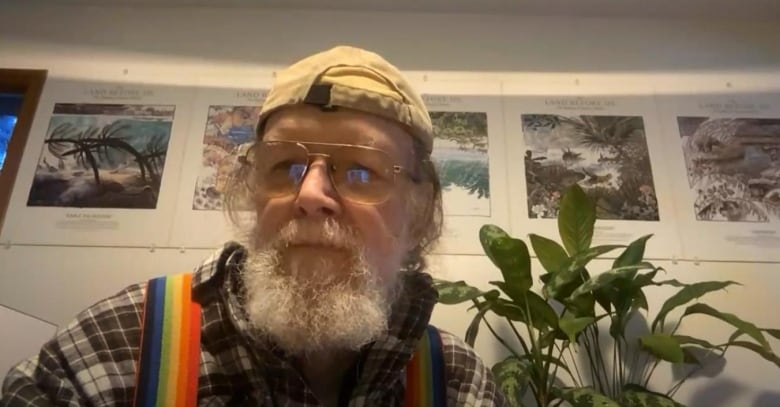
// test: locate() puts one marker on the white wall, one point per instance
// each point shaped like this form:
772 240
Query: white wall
178 45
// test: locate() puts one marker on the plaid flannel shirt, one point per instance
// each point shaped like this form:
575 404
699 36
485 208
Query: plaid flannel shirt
93 360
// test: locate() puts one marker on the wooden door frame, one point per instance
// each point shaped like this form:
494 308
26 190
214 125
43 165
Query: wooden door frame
29 83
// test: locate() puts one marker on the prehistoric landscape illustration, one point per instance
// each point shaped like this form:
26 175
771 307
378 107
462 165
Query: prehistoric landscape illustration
606 155
460 150
733 167
227 129
102 156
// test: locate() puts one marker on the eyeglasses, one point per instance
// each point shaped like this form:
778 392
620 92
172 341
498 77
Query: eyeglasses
360 174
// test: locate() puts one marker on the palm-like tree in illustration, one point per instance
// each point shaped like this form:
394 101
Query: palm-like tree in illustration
94 146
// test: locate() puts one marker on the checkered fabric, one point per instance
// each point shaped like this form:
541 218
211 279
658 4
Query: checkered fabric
92 361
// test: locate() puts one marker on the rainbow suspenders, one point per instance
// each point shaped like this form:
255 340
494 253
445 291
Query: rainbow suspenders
170 352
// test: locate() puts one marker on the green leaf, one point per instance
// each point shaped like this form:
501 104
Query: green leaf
773 332
637 396
510 255
601 280
572 326
583 258
512 376
685 340
538 361
587 397
576 219
564 283
747 327
582 306
543 316
551 255
687 294
456 292
662 346
644 280
672 282
473 329
633 253
763 352
640 300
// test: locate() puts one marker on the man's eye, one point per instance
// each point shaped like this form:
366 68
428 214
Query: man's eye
359 175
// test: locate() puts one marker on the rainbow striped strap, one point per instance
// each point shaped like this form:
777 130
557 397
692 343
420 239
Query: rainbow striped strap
425 382
170 344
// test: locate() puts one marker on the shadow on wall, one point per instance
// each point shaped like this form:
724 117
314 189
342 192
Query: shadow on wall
767 399
441 42
723 392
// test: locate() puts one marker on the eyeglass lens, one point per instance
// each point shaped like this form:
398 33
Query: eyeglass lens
359 174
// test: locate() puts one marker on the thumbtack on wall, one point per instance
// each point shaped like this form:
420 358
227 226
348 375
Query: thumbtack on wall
696 261
181 250
152 248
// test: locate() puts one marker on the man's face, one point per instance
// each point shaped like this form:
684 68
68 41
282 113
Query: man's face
379 227
336 260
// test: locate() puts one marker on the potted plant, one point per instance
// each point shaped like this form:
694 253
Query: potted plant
571 340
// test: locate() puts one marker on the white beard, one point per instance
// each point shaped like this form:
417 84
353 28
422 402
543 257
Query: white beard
306 304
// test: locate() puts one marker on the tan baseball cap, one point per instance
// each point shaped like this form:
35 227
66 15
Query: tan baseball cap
352 78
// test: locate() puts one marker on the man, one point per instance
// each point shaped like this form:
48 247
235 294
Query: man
323 299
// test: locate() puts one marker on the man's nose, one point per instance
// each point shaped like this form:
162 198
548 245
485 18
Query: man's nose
317 196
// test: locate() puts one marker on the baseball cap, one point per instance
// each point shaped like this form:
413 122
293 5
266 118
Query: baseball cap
355 78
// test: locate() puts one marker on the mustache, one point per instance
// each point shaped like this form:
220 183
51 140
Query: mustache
328 233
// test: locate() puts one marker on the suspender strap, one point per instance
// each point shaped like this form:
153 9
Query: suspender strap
170 352
425 382
170 344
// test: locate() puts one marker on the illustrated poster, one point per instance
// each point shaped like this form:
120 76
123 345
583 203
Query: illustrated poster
726 155
468 151
609 145
223 125
101 165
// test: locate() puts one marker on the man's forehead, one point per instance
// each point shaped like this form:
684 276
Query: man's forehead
308 123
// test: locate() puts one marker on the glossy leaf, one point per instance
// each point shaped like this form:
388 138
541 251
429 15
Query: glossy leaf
542 358
686 294
512 376
662 346
637 396
633 254
583 258
473 329
542 315
510 255
640 300
685 339
587 397
576 219
551 255
605 278
572 326
775 333
747 327
457 292
564 283
644 280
